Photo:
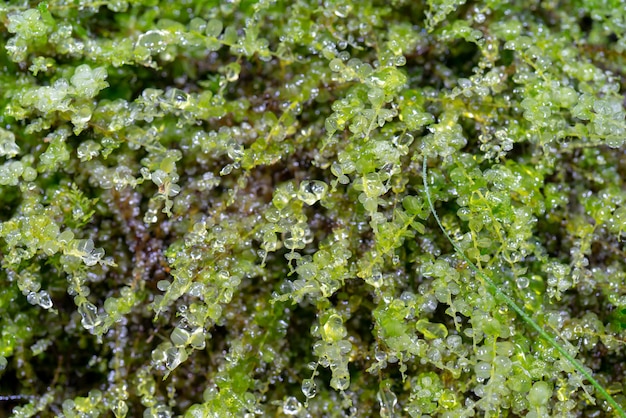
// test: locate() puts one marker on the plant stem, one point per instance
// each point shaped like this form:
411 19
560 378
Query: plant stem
515 307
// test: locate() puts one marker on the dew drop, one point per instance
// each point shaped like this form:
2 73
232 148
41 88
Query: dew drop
150 216
340 382
177 98
387 400
375 279
343 10
309 388
88 150
235 151
335 65
89 312
154 41
522 282
232 72
312 191
291 406
44 300
8 147
196 290
174 356
403 140
483 370
197 25
32 298
345 346
334 329
120 409
228 168
29 174
198 339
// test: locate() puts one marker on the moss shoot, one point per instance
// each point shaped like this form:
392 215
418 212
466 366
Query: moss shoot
312 208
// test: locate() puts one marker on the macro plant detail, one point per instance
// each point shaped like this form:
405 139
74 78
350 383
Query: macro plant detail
312 208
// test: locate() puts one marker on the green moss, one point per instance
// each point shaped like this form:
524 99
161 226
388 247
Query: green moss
216 208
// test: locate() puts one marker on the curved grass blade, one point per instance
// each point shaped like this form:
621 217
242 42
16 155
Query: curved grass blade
518 310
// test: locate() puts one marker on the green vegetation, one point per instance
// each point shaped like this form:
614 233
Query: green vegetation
312 208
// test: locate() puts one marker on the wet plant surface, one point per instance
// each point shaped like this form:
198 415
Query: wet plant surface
225 208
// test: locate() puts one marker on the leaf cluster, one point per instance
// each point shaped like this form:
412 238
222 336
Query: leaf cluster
213 208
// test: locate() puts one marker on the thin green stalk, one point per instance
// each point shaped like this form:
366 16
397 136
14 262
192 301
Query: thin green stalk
515 307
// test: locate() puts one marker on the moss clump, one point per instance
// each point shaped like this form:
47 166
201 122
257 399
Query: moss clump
217 208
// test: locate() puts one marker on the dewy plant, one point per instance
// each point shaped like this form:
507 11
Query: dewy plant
312 208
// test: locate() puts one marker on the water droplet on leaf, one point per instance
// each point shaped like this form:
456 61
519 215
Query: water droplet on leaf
291 406
309 388
312 191
154 41
89 312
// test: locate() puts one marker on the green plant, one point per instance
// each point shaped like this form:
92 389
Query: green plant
520 312
215 208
